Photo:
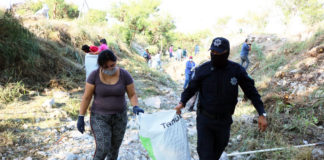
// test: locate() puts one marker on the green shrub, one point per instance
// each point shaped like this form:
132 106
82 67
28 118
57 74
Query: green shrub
35 6
72 11
62 9
95 16
274 62
11 92
72 108
293 47
258 50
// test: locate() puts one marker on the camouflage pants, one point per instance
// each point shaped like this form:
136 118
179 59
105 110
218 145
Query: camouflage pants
109 132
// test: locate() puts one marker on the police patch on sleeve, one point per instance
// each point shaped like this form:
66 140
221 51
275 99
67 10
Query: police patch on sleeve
233 81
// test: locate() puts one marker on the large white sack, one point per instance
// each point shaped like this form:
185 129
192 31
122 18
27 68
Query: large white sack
164 135
90 64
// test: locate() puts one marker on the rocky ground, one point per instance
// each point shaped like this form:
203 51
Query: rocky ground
65 142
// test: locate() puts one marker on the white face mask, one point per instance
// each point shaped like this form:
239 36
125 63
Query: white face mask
110 72
190 60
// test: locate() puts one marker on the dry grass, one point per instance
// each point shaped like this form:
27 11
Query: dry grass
30 126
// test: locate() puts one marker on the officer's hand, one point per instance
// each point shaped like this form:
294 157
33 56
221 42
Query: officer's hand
262 123
137 110
178 108
80 124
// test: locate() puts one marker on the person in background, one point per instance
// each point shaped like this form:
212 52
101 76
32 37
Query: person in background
103 46
108 84
184 53
90 49
179 54
158 59
147 55
190 65
217 82
171 51
196 49
246 48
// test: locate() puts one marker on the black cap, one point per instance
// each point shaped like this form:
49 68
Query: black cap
220 44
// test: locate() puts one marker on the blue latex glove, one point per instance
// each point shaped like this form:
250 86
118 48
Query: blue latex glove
137 110
80 124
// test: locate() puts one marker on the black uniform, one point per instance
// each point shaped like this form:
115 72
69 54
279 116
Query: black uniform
218 88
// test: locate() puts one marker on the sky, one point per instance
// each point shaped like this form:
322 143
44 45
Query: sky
190 15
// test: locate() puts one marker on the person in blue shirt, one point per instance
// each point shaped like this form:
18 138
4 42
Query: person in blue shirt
246 48
196 49
190 65
147 55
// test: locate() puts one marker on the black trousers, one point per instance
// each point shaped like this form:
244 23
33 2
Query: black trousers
213 136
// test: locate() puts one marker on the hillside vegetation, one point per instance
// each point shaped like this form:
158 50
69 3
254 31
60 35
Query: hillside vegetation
41 61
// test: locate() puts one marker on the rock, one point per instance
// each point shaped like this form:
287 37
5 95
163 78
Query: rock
37 120
33 93
70 156
293 84
48 103
305 142
223 156
62 130
132 124
295 70
238 157
239 137
192 131
301 90
71 125
61 94
153 101
41 153
318 154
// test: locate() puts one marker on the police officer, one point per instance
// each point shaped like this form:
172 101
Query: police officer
217 82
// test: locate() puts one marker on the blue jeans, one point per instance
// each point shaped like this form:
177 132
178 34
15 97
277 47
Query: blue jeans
246 60
188 78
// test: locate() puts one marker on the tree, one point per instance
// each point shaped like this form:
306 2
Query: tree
134 15
95 16
311 11
159 31
188 41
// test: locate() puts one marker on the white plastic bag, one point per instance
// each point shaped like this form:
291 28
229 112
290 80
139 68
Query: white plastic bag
164 135
90 64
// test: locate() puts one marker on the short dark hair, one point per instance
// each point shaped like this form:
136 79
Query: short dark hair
105 56
86 48
103 41
246 40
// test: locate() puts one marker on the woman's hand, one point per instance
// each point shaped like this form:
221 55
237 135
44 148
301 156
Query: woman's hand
80 124
137 110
